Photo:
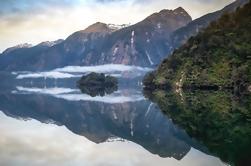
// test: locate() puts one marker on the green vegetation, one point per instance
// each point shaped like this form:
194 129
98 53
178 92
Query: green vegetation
219 56
218 119
97 84
97 90
96 79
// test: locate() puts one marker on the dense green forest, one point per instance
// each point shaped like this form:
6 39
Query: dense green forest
218 119
219 56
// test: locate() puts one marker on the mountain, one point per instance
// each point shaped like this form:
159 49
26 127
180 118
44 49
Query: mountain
25 45
138 121
143 44
51 43
180 36
146 43
218 57
117 26
97 28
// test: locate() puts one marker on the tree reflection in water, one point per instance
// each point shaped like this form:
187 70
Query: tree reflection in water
218 119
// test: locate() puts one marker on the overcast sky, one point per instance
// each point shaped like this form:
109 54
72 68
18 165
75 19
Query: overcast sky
34 21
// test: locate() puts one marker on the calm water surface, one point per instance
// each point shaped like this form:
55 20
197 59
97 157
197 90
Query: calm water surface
51 122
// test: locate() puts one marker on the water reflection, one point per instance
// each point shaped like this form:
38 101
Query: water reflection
121 128
71 94
218 119
97 90
30 142
138 121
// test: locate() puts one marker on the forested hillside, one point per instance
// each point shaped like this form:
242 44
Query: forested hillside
219 56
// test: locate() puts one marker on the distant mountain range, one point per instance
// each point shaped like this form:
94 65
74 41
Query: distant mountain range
146 43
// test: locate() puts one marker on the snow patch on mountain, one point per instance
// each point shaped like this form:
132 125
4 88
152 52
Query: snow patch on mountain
132 38
50 43
149 58
117 26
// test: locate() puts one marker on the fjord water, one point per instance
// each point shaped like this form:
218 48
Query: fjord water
46 120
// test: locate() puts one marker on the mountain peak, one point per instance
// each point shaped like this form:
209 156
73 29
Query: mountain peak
97 27
24 45
165 13
50 43
179 9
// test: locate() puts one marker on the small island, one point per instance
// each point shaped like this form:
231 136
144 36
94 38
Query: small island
97 84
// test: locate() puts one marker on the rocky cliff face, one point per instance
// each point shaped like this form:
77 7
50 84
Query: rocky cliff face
145 44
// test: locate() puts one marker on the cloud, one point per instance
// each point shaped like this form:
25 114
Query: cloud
109 1
27 6
23 21
17 7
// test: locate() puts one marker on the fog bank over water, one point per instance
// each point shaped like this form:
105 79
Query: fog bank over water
116 70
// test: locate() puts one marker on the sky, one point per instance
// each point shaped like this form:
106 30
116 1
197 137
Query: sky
34 21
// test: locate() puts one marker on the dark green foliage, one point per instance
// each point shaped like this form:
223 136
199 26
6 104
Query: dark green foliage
218 56
148 79
98 90
96 84
218 119
96 79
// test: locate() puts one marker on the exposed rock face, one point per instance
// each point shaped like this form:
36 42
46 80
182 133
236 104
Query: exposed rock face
144 44
249 88
51 43
96 28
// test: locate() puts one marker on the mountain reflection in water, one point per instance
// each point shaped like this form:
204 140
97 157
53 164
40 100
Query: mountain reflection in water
130 119
115 126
